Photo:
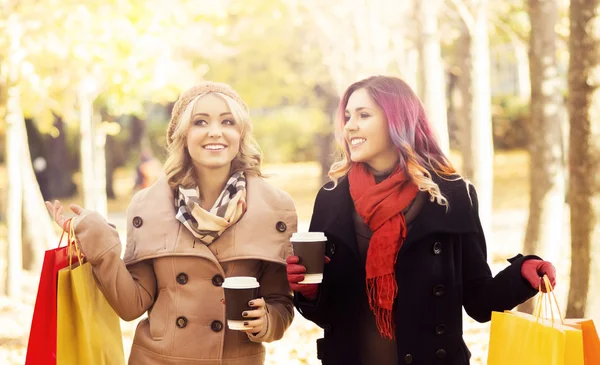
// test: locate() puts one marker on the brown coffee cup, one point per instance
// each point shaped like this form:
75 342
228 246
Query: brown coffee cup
310 248
239 290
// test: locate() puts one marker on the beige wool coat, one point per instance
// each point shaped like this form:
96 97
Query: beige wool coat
176 279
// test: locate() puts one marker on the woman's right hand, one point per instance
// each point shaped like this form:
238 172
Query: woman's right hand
56 211
295 274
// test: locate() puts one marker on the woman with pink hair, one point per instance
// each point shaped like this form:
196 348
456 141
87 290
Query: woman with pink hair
404 239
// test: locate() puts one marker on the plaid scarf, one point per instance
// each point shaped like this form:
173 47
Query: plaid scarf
380 206
205 225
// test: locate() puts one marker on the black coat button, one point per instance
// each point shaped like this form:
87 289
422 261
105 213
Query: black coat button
332 249
181 322
440 354
440 329
408 359
182 278
437 248
281 226
217 280
137 222
216 326
438 290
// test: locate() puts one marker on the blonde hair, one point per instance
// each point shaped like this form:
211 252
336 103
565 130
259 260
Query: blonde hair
178 166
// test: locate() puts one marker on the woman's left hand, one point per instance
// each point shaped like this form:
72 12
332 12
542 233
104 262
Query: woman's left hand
533 270
257 318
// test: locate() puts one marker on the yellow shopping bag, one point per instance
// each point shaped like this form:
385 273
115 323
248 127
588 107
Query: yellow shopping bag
88 329
519 338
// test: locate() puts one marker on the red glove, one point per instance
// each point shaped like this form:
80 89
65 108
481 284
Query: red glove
533 270
295 274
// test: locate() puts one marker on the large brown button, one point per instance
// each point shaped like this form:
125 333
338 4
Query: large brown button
137 222
437 248
281 226
181 322
216 326
440 329
440 354
217 280
408 359
438 290
182 278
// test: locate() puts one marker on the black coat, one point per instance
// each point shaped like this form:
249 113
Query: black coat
440 268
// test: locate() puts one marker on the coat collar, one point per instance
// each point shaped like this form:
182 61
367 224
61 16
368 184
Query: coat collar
459 217
262 233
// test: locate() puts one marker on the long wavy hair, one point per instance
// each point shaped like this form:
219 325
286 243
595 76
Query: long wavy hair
419 152
178 166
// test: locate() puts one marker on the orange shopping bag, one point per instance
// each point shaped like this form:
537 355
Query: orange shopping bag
591 342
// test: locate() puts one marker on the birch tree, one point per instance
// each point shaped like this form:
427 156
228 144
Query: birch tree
478 153
584 158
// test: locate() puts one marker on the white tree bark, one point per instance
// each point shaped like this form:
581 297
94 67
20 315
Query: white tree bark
433 83
480 131
15 128
93 162
15 124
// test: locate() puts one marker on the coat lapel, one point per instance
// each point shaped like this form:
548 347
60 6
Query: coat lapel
459 217
333 214
336 219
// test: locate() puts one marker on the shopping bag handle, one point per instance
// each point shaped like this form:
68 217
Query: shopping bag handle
65 228
550 298
72 244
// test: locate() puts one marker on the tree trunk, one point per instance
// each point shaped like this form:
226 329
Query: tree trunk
100 167
39 231
15 128
326 139
543 235
481 146
87 160
60 168
464 103
584 158
433 85
93 161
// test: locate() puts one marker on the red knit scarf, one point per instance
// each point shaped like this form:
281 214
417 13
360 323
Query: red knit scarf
380 206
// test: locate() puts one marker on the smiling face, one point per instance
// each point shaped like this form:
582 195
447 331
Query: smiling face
367 133
213 137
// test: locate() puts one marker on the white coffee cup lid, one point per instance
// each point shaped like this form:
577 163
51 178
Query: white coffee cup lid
308 236
240 282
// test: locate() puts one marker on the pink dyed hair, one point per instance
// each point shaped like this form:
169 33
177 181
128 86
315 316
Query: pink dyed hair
410 131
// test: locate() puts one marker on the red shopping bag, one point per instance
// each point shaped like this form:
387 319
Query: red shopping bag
41 349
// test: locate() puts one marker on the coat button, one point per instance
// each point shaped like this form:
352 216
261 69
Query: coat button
182 278
281 226
216 326
137 222
408 359
181 322
217 280
438 290
332 249
440 354
437 248
440 329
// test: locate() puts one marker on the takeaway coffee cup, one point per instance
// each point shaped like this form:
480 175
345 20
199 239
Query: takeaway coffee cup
310 248
239 290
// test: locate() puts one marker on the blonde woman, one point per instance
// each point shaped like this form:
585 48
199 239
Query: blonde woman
406 247
212 216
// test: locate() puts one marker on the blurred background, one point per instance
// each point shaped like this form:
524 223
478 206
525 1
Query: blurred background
87 87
